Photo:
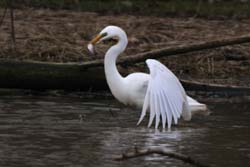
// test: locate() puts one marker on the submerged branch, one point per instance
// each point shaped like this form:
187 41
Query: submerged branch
157 150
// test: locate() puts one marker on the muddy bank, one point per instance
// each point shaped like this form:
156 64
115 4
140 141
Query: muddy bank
62 36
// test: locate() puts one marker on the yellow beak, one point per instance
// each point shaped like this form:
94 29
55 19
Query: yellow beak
96 39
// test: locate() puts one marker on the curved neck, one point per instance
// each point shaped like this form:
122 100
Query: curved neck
114 79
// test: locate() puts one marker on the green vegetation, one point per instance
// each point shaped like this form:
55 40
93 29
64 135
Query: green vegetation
231 8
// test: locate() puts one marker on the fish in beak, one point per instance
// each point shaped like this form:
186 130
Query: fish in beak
91 45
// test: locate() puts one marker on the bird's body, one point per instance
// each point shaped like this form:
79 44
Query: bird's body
160 91
134 94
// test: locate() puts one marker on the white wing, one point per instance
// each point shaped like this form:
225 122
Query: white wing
165 96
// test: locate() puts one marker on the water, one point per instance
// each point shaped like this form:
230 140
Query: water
70 131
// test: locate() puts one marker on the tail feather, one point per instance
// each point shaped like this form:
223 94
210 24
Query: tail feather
195 106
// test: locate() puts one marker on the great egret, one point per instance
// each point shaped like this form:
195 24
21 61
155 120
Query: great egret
160 91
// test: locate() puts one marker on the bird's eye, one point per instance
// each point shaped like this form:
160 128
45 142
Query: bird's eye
104 34
111 40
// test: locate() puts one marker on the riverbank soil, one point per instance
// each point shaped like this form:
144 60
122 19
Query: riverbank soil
62 36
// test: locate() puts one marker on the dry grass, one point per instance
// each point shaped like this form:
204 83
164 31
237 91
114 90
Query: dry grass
62 36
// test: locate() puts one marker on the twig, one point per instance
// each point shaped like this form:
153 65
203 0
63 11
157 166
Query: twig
157 150
3 16
13 36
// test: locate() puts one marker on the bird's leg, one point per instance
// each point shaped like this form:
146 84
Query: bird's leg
111 112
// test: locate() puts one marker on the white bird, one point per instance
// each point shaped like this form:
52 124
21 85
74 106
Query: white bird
159 92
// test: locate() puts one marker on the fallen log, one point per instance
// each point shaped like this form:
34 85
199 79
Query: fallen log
157 150
74 76
90 75
42 75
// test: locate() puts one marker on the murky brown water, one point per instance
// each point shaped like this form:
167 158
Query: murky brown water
60 131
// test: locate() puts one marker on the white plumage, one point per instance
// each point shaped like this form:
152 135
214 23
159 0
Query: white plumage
159 92
165 96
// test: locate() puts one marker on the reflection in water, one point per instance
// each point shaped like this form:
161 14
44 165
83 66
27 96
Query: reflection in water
59 131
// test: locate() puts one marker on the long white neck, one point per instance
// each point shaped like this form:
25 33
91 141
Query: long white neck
114 79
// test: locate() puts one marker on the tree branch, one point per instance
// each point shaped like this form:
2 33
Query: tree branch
171 51
218 88
157 150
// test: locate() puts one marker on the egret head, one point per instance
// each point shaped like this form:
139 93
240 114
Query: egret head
109 32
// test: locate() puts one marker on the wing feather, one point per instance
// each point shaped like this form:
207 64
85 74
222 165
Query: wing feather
157 111
152 111
145 106
162 110
165 96
172 107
